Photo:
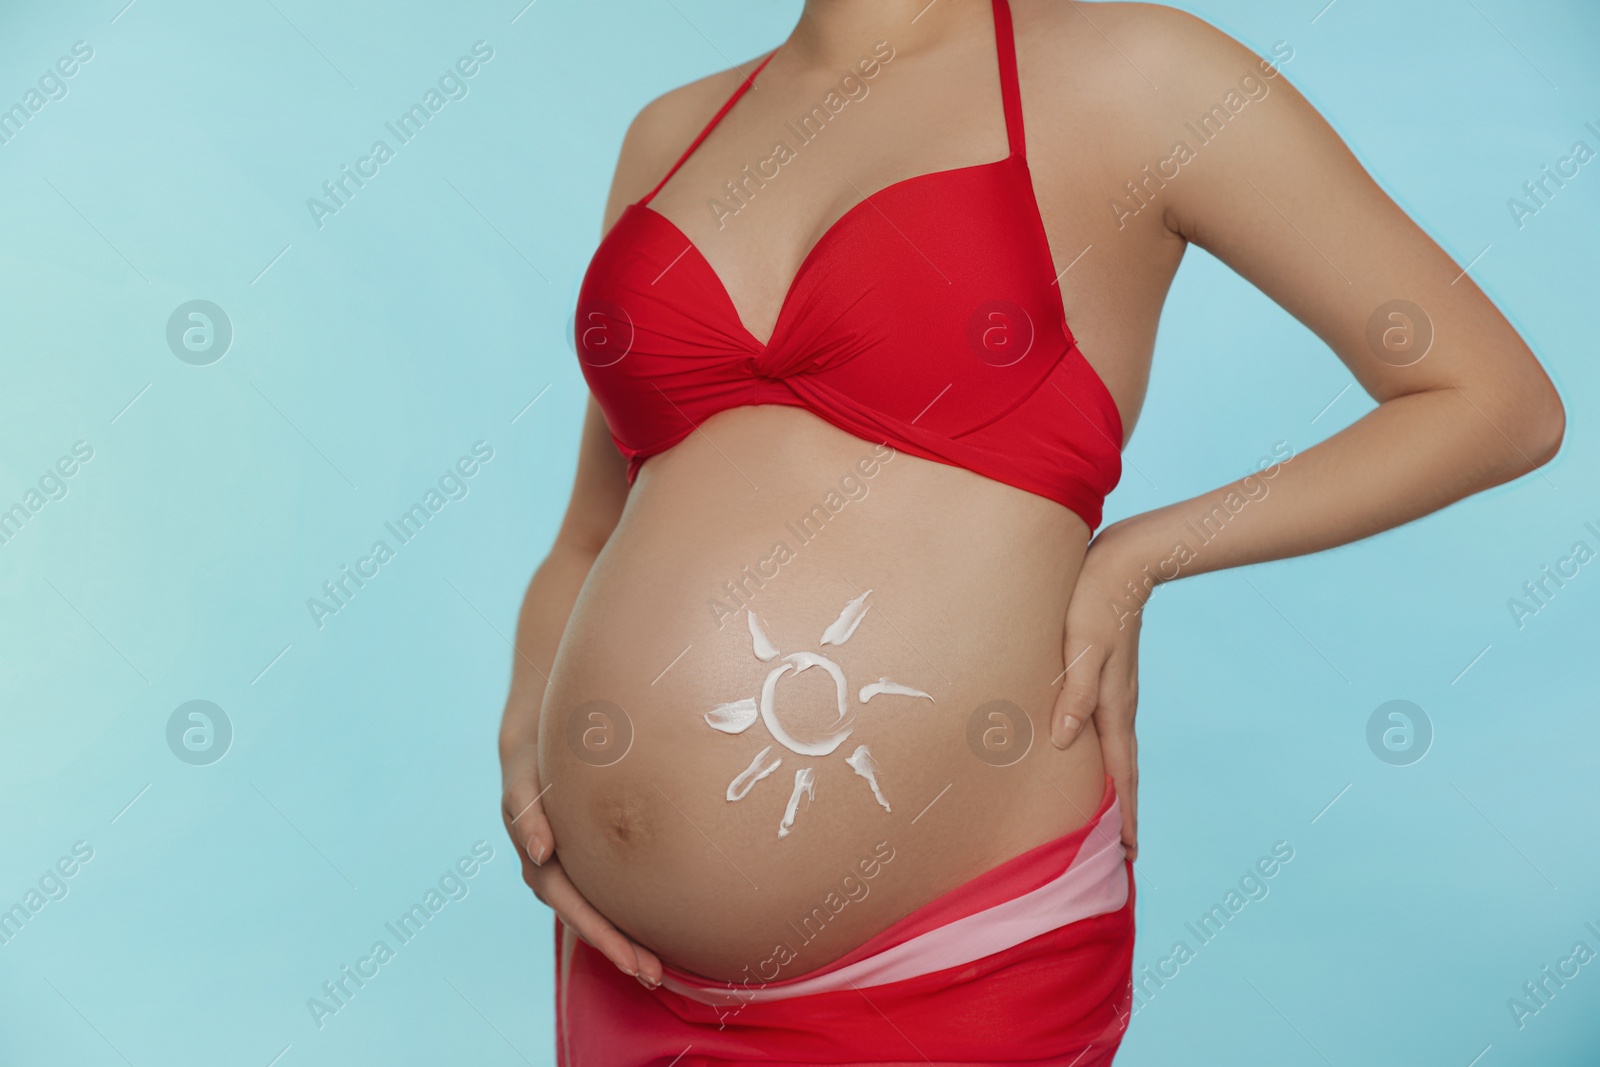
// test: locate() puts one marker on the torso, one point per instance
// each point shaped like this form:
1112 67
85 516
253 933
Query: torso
969 578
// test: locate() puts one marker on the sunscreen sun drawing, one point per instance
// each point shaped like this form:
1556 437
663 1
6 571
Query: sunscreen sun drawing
738 716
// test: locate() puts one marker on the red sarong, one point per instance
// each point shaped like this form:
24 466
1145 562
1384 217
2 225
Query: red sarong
1027 965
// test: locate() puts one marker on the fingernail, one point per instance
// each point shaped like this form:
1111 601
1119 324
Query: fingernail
628 971
646 982
535 854
1063 731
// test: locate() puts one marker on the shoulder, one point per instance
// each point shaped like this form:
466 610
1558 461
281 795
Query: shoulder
1158 41
1136 62
664 127
1115 86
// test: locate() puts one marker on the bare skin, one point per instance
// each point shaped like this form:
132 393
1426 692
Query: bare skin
1107 90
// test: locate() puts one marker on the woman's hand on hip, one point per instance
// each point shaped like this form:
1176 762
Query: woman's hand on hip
1102 657
522 811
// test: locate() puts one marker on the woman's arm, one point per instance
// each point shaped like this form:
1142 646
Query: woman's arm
1278 197
599 493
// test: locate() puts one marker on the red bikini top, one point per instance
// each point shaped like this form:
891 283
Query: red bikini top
927 317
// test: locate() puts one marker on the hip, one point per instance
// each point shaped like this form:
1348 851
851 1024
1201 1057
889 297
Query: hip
1044 938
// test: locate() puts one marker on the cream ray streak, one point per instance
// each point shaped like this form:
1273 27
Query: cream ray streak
805 781
752 774
766 651
862 763
734 717
883 685
845 625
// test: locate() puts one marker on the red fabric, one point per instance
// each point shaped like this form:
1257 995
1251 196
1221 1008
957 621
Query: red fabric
927 317
1060 999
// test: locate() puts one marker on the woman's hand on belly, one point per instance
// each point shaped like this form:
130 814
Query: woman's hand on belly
522 810
1102 683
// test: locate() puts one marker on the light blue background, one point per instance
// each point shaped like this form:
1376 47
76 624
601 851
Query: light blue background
426 315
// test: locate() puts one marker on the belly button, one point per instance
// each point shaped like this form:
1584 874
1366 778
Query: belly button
627 821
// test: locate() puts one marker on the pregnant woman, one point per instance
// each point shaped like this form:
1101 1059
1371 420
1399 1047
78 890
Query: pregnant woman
820 735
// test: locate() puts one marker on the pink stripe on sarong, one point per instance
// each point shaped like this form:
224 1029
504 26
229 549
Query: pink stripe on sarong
1095 883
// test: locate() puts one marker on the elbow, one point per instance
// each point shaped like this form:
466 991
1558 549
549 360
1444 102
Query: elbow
1546 428
1535 423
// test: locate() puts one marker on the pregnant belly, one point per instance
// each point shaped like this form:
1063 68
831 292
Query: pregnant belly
806 689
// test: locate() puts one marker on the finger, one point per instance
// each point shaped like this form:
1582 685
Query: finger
529 849
1133 805
523 810
1130 809
1118 750
1130 816
1078 698
557 890
530 873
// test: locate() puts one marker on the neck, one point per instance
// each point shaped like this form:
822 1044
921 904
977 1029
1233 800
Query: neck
831 32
